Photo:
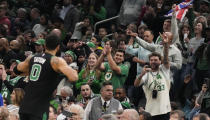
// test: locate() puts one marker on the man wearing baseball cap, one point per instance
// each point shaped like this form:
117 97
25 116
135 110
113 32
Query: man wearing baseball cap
70 57
39 46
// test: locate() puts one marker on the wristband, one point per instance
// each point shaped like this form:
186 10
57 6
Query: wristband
16 71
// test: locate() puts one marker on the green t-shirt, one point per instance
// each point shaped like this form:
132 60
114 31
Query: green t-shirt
96 84
117 80
5 91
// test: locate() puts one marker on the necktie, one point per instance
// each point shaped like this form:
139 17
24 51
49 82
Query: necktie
104 105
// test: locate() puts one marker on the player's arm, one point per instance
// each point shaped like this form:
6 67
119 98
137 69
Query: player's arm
60 65
22 68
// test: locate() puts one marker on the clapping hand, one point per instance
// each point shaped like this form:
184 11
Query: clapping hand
104 51
108 49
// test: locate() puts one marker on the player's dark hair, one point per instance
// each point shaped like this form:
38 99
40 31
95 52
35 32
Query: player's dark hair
52 41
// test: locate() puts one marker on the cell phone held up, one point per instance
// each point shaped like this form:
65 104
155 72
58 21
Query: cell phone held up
67 114
147 65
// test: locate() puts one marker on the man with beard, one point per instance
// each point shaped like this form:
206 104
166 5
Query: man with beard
156 83
86 95
120 94
174 56
6 54
115 70
15 46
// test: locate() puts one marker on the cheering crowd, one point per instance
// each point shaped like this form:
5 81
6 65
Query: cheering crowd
144 65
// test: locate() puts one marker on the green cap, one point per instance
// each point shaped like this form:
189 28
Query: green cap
91 45
40 42
72 54
126 105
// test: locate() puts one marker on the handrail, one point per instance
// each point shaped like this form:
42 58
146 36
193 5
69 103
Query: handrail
103 21
109 35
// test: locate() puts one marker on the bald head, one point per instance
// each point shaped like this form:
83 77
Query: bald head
3 40
78 110
4 45
129 114
14 45
56 32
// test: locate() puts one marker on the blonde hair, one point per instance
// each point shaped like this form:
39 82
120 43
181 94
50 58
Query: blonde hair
79 108
87 69
4 113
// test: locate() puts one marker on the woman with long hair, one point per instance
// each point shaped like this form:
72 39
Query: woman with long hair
16 99
94 77
194 43
184 35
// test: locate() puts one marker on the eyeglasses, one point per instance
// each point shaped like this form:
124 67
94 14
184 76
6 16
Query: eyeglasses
69 114
62 98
